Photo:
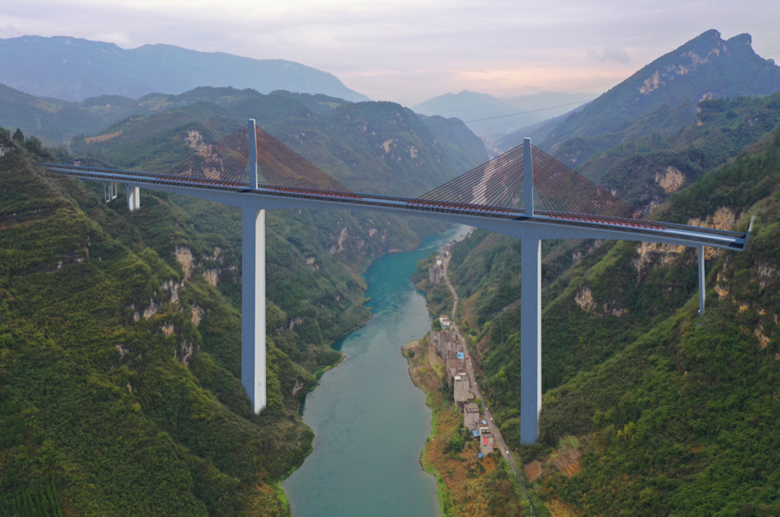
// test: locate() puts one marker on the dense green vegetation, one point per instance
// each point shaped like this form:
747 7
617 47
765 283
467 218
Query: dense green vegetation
677 414
120 332
114 410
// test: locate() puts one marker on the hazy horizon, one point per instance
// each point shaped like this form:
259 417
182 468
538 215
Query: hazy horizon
414 51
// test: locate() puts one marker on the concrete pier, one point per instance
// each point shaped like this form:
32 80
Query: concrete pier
253 308
133 198
530 314
701 280
530 338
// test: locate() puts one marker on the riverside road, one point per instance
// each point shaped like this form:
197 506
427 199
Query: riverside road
499 439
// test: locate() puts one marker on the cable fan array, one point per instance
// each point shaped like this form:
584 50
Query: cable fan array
494 186
223 163
563 191
281 168
285 170
497 186
497 183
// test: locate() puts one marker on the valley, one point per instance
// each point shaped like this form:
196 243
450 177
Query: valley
120 332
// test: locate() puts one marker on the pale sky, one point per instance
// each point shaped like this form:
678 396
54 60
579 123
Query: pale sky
411 50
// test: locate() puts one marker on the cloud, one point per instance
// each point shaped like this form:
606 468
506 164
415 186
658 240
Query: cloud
610 54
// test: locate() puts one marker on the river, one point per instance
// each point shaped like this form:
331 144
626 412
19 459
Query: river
370 421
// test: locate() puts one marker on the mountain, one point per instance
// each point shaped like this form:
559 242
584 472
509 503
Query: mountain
502 114
649 408
75 69
120 348
536 132
55 121
662 96
368 146
645 171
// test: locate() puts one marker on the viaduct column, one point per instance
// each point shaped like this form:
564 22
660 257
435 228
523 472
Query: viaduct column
701 280
253 292
531 316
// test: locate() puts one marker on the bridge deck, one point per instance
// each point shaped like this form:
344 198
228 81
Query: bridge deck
583 224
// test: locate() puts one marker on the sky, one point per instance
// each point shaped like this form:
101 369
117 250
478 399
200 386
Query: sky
408 51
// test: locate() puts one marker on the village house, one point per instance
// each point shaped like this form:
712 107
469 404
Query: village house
471 416
485 438
462 389
435 272
454 365
433 338
485 442
445 342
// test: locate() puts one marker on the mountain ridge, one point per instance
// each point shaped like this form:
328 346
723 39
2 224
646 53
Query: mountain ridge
704 67
75 69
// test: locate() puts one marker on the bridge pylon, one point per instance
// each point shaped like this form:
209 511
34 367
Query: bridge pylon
530 314
573 208
253 291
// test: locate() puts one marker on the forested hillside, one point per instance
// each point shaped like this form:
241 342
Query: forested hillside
648 408
120 339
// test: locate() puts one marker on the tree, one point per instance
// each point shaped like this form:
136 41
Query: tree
19 136
34 145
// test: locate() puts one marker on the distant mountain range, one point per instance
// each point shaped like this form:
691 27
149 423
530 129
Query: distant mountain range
75 69
662 97
485 114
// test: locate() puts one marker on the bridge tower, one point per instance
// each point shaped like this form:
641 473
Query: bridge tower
446 202
253 291
530 313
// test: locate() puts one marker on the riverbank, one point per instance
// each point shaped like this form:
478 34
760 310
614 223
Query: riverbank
467 485
370 421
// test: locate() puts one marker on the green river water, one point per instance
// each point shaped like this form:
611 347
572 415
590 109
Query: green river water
370 421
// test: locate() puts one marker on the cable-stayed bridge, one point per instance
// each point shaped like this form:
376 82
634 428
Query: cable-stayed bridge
253 171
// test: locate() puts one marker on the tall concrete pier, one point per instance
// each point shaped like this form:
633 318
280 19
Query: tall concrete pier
253 292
